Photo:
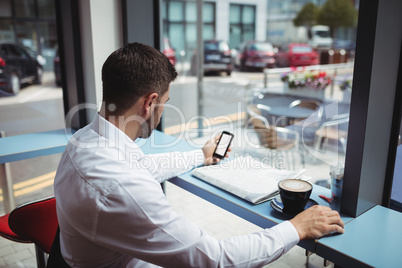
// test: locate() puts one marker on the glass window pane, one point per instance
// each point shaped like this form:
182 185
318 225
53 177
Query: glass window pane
208 13
164 11
208 32
235 36
191 12
48 40
24 8
27 35
176 36
191 35
248 33
6 31
234 16
5 8
175 11
46 8
248 14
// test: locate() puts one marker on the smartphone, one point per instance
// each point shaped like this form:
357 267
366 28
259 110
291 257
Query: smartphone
223 144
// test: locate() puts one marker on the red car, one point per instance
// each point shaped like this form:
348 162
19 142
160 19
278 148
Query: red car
255 54
296 55
169 51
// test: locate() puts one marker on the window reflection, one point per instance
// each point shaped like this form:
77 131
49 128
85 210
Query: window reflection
234 78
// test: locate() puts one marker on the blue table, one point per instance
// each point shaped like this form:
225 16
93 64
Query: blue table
27 146
262 215
31 145
371 240
291 113
287 114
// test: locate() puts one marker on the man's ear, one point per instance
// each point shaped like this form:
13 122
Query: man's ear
150 102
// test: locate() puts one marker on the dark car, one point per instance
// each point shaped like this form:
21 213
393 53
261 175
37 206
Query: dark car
296 55
217 57
348 45
18 67
255 55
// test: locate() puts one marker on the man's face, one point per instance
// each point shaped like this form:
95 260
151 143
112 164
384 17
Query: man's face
155 117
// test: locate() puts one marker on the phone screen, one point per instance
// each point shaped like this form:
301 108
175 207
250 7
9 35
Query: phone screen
223 144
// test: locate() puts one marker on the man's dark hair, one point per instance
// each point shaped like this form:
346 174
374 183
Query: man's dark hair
133 71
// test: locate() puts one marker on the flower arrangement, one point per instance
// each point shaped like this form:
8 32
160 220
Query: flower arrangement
316 80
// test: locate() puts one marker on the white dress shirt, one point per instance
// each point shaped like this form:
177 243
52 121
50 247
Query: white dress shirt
112 211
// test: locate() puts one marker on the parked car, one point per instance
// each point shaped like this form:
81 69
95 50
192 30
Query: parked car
296 55
217 57
18 67
56 68
169 51
255 54
344 44
348 45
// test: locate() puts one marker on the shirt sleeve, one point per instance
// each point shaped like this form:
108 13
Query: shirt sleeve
168 165
137 220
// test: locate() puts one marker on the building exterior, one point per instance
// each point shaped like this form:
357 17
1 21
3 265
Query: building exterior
231 20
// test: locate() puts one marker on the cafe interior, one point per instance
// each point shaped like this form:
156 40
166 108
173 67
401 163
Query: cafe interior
371 204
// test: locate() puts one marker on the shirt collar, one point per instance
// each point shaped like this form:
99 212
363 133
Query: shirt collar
113 135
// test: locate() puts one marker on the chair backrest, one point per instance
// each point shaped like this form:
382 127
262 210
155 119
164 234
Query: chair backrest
336 120
308 104
7 233
266 134
36 221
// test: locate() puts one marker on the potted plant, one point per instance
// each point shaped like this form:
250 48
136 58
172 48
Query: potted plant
305 82
296 79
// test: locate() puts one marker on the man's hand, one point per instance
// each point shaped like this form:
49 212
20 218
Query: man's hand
316 222
209 149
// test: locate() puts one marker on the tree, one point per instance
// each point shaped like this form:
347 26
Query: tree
337 13
307 16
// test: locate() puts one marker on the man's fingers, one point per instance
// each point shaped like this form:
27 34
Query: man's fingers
337 221
336 228
334 218
215 160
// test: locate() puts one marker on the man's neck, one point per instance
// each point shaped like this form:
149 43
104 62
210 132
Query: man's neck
131 128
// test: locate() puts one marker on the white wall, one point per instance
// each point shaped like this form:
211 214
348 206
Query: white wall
101 34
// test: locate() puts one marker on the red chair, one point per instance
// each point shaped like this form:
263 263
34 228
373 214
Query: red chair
34 222
7 233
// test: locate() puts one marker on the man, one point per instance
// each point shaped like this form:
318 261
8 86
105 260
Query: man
110 206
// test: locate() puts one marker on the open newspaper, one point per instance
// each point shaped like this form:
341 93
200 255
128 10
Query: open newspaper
247 178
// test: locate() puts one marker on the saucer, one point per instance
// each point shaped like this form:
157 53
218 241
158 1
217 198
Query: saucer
276 204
